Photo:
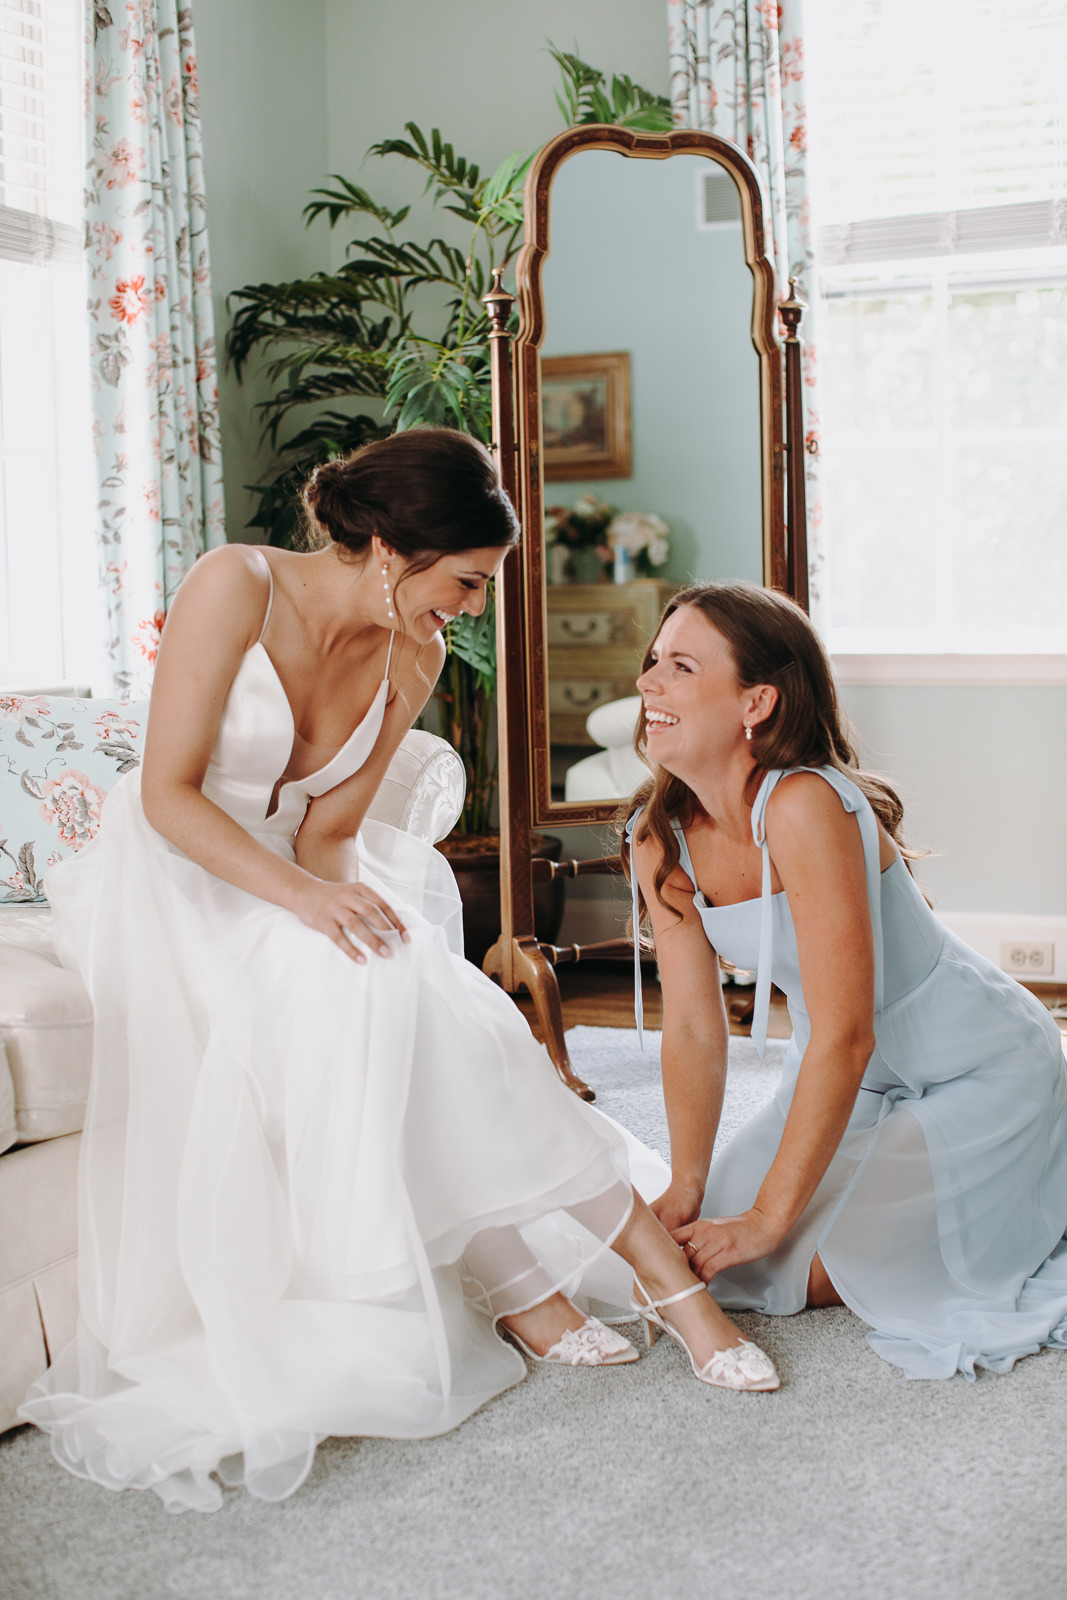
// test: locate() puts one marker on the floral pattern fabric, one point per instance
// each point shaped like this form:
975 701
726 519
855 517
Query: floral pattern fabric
737 69
58 759
153 363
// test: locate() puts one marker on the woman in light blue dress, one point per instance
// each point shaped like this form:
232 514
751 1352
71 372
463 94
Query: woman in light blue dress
913 1162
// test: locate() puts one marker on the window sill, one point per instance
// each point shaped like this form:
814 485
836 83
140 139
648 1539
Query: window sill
952 670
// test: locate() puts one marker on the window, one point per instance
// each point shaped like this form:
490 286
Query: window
48 582
939 170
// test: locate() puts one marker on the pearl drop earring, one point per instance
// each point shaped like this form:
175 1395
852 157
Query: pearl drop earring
748 732
390 613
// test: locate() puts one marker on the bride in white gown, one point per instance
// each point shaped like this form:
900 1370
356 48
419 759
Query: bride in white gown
325 1163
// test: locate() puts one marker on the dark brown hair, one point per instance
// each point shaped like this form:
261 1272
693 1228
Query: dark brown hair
771 641
428 492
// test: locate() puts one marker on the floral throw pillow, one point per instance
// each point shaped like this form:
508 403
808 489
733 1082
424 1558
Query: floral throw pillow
58 759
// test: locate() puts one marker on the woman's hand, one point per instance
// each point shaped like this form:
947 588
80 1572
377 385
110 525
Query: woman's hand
345 912
678 1205
715 1243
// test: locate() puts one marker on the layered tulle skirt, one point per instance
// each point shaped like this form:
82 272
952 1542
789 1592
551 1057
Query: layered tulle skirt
306 1185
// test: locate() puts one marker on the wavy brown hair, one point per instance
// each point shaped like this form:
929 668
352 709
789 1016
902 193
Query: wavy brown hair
771 641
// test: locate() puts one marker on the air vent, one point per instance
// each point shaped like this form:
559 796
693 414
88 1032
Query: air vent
717 202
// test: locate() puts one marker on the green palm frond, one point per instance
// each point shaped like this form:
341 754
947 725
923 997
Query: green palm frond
587 97
449 171
335 353
473 640
349 200
441 385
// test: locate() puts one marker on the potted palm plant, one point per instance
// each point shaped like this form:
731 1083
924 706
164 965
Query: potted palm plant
395 338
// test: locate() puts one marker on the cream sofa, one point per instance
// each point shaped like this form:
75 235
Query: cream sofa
46 1030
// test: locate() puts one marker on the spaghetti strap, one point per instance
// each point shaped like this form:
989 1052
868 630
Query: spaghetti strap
389 652
639 998
270 600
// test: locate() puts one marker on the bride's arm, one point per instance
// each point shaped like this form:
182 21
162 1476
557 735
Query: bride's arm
695 1036
215 617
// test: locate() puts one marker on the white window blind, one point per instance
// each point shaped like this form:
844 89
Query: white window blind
48 588
939 165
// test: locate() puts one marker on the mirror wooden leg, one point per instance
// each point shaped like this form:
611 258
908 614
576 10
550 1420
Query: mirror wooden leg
526 965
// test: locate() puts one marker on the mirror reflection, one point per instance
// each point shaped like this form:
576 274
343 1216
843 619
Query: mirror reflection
651 420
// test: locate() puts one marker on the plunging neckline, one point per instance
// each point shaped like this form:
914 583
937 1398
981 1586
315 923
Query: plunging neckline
318 772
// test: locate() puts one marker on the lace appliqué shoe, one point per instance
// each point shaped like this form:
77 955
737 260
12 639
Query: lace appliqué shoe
743 1366
591 1345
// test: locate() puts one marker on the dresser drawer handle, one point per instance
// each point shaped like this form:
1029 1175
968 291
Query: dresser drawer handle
571 628
593 697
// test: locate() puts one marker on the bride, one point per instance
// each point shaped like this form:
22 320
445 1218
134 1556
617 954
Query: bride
325 1164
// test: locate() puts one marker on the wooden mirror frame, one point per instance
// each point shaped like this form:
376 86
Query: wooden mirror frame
518 959
527 356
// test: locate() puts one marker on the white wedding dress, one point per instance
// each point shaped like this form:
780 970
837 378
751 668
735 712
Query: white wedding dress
303 1181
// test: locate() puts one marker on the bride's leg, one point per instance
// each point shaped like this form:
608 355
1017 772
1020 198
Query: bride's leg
661 1266
544 1324
510 1276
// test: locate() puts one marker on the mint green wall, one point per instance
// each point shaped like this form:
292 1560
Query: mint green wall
262 72
477 69
983 776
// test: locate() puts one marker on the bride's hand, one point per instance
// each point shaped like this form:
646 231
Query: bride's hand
715 1243
677 1205
346 912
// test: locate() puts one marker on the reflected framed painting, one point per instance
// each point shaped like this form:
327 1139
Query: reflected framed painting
585 416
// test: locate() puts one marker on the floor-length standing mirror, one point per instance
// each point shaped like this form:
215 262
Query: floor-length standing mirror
646 376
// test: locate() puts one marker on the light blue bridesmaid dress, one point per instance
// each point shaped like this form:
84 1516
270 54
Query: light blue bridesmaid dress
942 1215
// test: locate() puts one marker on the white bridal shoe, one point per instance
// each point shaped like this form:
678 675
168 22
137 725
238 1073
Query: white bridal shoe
743 1366
591 1345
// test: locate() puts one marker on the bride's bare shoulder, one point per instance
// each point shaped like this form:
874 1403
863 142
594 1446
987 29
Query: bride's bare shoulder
229 586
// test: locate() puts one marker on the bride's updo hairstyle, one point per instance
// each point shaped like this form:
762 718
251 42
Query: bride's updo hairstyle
428 492
771 641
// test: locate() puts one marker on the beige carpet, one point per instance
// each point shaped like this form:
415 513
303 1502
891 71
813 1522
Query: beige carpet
630 1484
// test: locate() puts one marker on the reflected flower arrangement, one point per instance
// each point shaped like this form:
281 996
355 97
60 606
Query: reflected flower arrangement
592 524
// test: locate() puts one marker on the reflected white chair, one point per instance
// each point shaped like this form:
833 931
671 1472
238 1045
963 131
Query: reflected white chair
616 770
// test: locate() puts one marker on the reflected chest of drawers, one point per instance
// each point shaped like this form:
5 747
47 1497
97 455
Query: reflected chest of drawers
597 635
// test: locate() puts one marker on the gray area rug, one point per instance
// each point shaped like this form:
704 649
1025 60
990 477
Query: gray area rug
635 1483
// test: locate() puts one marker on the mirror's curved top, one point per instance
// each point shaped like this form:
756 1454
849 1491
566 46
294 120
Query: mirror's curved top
531 304
546 690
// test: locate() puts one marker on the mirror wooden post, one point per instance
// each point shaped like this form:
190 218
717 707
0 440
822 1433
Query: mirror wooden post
517 959
776 448
791 312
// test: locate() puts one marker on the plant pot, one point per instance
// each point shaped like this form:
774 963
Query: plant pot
475 860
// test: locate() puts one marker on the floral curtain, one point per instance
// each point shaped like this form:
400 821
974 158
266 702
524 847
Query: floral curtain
737 69
155 394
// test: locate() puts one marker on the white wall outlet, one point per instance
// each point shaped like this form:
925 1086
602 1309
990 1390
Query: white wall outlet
1028 957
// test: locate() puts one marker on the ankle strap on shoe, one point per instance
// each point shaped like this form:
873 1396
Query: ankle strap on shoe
683 1294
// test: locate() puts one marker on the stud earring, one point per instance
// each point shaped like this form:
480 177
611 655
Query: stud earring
748 732
390 613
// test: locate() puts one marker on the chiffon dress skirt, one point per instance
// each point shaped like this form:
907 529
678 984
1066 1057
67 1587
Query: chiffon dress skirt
304 1182
941 1218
